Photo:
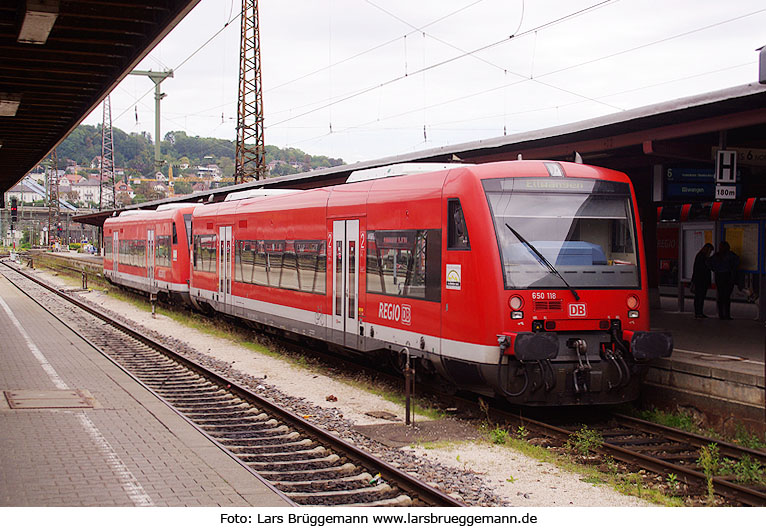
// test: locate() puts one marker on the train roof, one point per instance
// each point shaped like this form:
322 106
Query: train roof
167 212
407 181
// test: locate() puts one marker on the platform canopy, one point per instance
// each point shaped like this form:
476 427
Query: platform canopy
59 59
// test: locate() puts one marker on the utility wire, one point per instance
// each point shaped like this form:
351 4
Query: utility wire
608 56
360 92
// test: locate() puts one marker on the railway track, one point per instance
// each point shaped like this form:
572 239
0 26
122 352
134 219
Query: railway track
668 452
648 446
306 463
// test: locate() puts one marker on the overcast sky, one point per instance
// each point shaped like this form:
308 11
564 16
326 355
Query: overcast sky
363 79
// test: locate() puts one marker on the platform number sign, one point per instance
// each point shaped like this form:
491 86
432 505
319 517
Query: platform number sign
726 174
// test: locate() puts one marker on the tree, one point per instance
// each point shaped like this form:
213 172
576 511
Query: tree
123 198
182 187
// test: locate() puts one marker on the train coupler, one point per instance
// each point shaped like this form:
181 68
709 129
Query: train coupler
529 347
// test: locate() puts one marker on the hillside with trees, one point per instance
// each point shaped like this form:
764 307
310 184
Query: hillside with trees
135 153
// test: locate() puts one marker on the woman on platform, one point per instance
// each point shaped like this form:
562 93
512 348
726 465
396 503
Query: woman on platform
701 279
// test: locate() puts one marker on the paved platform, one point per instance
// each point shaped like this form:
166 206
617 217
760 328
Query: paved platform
75 430
717 367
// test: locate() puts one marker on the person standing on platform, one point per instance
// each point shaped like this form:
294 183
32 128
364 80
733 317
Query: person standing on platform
724 264
701 279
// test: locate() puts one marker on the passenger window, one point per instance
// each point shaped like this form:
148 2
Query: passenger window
405 263
457 233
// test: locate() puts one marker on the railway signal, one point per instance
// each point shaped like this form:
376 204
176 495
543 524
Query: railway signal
14 212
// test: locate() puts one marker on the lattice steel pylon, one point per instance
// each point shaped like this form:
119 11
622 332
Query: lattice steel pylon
251 149
106 176
54 208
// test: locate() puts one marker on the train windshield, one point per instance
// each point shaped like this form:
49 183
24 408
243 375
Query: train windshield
558 232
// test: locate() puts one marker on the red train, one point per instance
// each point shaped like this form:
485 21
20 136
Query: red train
149 250
522 279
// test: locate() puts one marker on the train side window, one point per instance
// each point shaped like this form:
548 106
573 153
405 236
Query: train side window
312 263
205 257
290 278
188 224
244 261
405 263
175 234
162 251
275 250
457 232
260 274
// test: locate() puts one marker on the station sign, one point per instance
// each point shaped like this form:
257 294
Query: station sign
689 184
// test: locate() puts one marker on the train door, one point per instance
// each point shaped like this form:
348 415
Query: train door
345 291
115 251
150 258
224 266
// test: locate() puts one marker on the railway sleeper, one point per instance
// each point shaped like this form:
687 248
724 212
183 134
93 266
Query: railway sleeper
165 366
235 424
401 500
205 409
325 498
221 402
327 473
149 370
174 381
313 452
323 484
263 440
669 447
234 421
690 457
272 447
182 394
630 442
294 465
246 434
250 414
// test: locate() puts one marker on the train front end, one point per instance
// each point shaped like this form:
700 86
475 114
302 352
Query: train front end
575 301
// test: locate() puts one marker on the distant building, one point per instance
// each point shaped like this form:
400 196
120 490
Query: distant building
89 191
23 194
209 172
123 188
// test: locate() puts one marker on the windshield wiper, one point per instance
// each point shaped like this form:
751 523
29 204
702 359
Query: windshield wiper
541 258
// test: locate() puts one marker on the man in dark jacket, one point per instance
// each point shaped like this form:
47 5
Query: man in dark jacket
724 264
701 279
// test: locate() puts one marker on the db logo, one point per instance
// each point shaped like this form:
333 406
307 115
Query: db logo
577 310
406 314
395 312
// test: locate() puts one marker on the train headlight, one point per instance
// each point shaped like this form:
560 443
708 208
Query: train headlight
632 302
517 315
633 314
515 302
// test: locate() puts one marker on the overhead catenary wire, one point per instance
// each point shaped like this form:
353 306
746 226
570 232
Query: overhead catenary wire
537 78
